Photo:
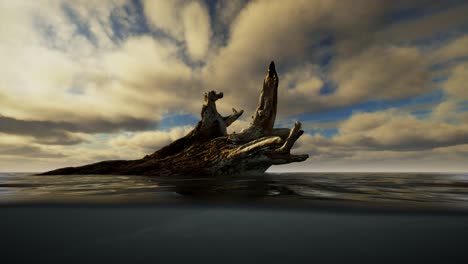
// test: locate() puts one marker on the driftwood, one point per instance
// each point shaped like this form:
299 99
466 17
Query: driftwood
209 150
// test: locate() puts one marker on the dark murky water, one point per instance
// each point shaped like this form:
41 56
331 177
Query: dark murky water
443 190
275 218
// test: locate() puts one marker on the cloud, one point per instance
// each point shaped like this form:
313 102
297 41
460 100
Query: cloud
382 72
364 122
17 146
67 133
239 124
186 21
411 135
457 84
197 30
444 110
102 83
456 48
165 15
44 132
27 151
148 64
447 21
363 67
391 131
226 12
302 81
81 74
150 141
386 141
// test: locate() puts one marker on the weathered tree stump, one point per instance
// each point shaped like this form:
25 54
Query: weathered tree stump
209 150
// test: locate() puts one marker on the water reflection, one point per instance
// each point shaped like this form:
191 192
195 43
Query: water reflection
450 189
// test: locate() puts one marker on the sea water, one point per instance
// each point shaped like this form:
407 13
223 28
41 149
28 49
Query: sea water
448 190
273 218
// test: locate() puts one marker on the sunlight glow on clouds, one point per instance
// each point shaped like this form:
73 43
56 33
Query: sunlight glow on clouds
147 142
84 81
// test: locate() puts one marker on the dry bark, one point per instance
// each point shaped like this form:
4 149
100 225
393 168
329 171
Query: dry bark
209 150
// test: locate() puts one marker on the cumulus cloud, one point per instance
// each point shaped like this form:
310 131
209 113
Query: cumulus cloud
444 110
365 65
165 15
388 140
60 71
186 21
197 30
457 84
449 20
144 63
47 57
382 73
240 124
390 131
226 12
302 81
407 133
150 141
456 48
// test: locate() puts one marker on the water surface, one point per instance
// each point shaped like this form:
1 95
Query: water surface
442 190
274 218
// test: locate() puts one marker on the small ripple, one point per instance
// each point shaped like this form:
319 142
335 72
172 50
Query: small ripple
416 187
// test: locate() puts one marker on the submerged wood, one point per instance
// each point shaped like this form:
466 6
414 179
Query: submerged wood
209 150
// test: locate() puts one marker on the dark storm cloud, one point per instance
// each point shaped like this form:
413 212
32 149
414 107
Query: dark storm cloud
60 133
27 151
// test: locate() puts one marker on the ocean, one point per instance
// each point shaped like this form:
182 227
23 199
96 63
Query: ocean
417 190
274 218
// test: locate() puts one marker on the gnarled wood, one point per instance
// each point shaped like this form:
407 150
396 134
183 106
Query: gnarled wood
209 150
265 114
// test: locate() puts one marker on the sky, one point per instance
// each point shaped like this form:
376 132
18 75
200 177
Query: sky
378 85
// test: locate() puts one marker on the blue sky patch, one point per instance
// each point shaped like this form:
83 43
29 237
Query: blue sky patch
328 88
82 26
326 132
170 121
137 26
337 114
